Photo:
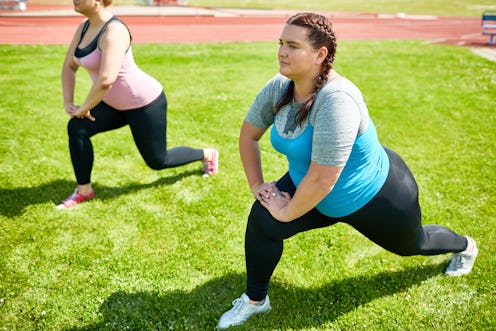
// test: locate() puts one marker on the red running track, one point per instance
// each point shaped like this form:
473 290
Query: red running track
465 31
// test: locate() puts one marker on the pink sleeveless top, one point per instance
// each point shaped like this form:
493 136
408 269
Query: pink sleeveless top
132 89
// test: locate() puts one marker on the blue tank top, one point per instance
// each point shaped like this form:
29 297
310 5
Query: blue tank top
361 179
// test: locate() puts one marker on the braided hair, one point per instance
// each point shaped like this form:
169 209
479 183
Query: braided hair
320 34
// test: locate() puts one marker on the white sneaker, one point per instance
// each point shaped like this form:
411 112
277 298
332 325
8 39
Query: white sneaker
462 263
242 310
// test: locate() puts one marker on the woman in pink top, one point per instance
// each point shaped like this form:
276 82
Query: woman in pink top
121 94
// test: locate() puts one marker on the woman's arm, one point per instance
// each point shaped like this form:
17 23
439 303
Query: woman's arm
68 75
249 150
113 44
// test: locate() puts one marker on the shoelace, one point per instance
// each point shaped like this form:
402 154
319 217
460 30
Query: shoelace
73 196
238 305
460 260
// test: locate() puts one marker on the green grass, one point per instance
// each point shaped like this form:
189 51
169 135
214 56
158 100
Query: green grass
163 250
437 7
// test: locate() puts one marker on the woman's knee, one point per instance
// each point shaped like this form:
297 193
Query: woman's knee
76 128
157 158
72 127
155 164
405 247
261 221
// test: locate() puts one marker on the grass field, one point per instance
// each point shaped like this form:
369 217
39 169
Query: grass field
163 250
438 7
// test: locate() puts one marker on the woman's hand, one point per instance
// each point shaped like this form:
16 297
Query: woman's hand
70 108
274 200
77 112
276 204
264 189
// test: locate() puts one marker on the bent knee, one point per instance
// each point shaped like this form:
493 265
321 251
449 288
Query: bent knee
404 249
264 224
155 164
77 127
72 127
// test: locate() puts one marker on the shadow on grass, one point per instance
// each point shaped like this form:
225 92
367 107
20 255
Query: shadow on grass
297 307
13 201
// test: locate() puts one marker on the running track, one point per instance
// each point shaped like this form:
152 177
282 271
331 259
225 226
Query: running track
32 28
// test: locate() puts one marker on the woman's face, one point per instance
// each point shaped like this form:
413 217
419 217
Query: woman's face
297 58
85 6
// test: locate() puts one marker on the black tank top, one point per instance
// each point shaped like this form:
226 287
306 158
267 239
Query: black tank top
82 52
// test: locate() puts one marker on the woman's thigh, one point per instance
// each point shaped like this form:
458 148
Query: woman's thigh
392 219
149 126
106 119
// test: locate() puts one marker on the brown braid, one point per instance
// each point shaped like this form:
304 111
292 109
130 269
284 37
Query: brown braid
320 34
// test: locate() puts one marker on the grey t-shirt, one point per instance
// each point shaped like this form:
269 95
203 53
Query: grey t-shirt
339 114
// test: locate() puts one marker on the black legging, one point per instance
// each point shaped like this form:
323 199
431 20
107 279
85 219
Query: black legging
148 126
392 219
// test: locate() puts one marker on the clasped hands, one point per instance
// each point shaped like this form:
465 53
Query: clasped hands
274 200
75 111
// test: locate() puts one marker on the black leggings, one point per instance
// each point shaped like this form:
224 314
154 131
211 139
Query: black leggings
148 126
392 219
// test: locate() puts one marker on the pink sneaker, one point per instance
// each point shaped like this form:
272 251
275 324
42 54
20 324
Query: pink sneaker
74 199
211 167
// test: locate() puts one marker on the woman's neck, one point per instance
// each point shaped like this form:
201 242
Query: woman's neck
99 17
303 88
302 91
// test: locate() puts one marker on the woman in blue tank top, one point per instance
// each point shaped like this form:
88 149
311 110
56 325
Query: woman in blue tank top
337 169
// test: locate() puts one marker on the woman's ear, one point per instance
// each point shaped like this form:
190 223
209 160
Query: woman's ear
321 55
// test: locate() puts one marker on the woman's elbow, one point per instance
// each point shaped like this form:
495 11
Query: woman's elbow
325 186
105 83
324 182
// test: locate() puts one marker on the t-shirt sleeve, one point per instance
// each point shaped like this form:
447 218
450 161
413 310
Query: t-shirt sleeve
336 124
261 112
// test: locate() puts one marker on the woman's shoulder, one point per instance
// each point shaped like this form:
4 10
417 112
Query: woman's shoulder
339 84
277 84
116 29
279 80
116 24
337 90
